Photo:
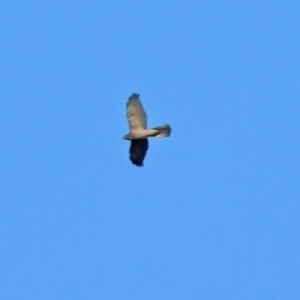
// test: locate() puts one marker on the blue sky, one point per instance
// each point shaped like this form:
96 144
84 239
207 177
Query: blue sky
214 212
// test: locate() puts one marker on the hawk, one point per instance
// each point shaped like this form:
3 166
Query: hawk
139 133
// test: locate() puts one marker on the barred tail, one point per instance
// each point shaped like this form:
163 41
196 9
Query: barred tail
164 130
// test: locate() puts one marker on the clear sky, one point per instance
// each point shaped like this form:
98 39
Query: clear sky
215 211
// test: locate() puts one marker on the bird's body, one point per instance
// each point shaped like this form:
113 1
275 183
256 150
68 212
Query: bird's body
139 133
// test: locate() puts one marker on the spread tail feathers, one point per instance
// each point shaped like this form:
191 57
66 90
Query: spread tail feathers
164 130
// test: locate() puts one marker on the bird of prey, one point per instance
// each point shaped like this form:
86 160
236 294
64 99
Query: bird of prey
139 133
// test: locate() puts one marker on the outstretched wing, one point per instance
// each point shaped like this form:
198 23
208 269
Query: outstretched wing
138 149
135 113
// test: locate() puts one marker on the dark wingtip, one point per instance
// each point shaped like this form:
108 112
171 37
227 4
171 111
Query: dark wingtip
135 95
138 164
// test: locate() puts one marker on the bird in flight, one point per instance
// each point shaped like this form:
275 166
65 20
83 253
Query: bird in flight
138 134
